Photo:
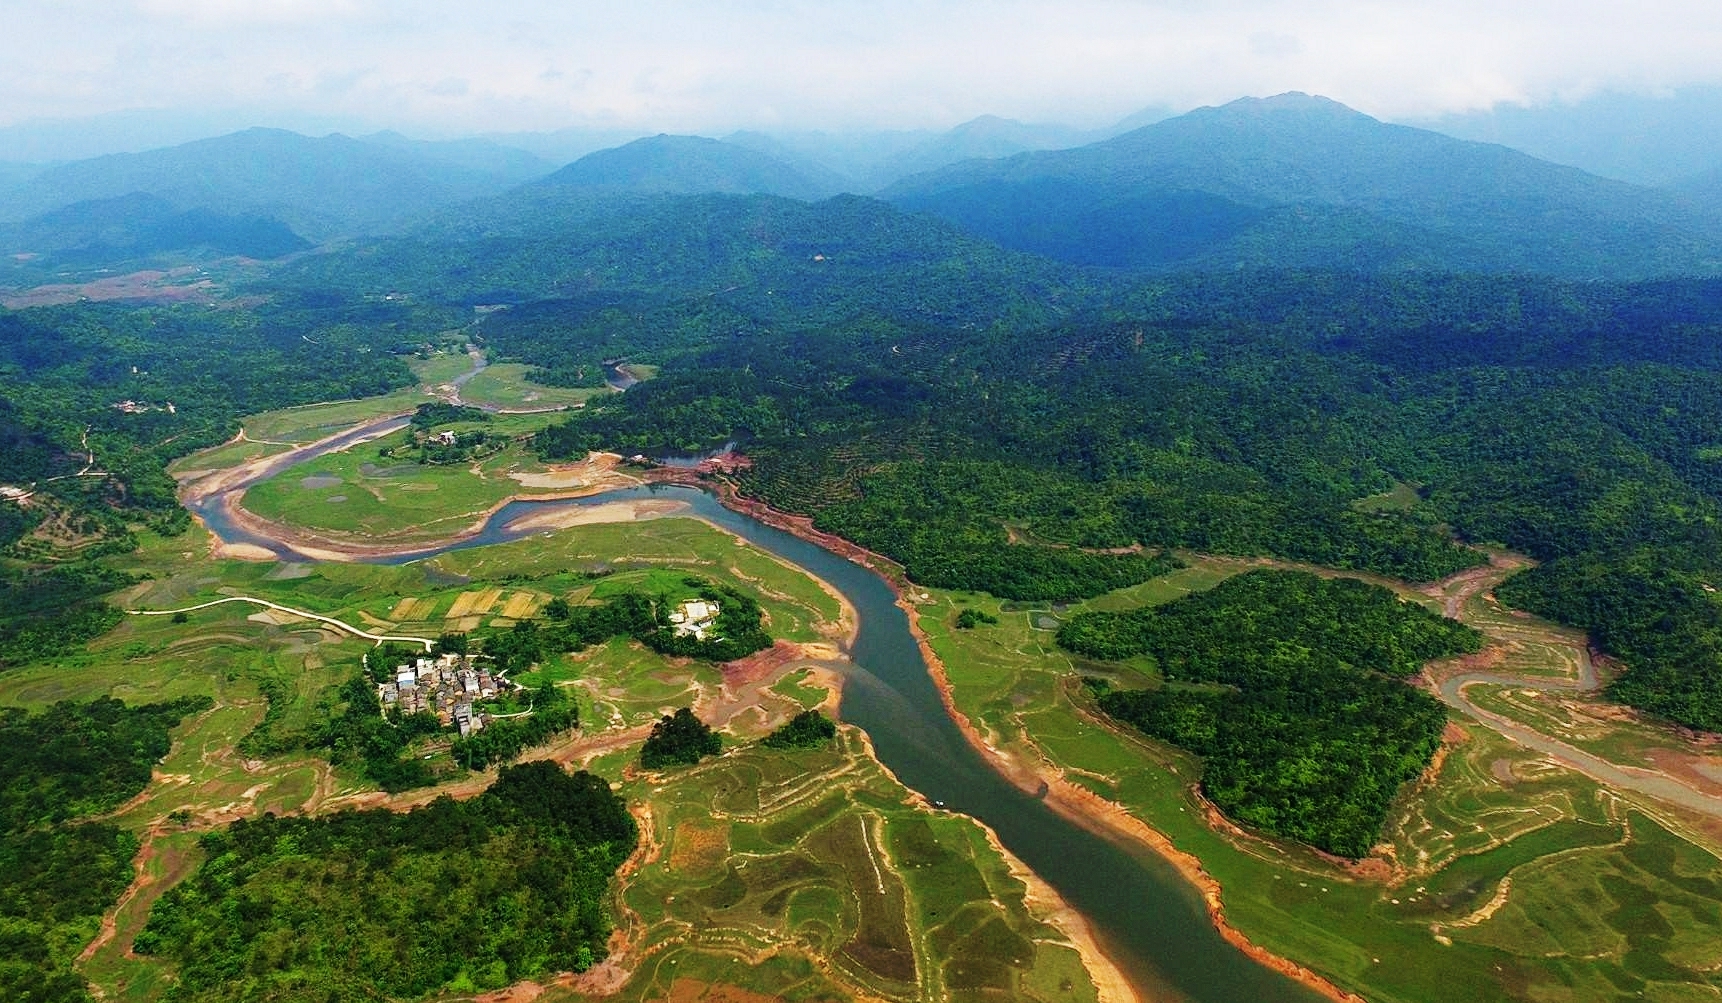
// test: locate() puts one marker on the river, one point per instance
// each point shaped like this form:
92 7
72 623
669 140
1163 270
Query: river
1151 921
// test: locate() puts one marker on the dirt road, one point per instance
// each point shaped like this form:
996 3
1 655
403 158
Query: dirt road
1455 594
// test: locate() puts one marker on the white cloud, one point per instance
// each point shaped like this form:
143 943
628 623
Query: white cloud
448 66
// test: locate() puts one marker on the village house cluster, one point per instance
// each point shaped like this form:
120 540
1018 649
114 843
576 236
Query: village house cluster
446 686
696 617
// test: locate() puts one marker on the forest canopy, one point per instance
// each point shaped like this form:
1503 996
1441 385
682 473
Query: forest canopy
1289 687
452 897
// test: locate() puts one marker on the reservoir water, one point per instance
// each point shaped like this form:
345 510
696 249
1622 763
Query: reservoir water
1151 921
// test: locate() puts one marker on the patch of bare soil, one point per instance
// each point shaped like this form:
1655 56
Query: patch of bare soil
175 286
1695 770
761 664
622 511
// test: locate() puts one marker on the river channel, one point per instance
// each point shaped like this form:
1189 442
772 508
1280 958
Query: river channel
1151 921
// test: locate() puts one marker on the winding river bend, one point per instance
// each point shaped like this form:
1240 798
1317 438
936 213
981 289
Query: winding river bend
1151 921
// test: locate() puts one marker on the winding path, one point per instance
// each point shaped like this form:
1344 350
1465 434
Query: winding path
331 621
1455 592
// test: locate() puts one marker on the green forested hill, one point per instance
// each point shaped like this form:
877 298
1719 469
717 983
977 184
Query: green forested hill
59 872
453 896
62 370
321 187
1285 683
1256 413
1299 181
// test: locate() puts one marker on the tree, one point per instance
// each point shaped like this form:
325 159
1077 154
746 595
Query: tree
679 739
805 730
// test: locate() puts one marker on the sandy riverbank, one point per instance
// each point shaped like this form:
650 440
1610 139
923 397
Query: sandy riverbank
1108 818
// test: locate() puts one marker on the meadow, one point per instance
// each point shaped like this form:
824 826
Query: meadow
361 494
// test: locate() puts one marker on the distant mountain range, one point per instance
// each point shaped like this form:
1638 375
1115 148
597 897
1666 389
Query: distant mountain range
690 165
1289 181
1300 181
138 226
1644 139
321 188
868 162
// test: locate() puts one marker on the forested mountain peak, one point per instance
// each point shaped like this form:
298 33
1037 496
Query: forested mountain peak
1303 180
688 165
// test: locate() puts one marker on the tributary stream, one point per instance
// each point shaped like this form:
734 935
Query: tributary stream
1151 921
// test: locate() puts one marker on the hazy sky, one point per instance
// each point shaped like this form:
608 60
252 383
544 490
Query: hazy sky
441 67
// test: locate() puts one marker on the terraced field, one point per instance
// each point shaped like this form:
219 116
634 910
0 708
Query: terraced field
809 875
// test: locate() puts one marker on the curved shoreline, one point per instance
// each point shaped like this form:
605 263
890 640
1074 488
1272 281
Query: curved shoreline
1098 815
1076 804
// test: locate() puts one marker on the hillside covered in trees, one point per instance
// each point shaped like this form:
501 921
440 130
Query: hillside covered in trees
1350 421
454 896
1290 688
58 873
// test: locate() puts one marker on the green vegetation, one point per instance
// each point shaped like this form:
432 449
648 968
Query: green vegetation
1278 681
517 387
57 874
809 876
1251 414
453 896
969 619
736 632
679 739
803 731
1494 810
429 416
551 712
48 612
95 400
358 732
381 490
80 759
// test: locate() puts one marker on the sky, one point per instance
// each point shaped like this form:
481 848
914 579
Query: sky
439 68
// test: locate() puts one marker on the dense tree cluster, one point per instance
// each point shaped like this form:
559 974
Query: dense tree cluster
429 416
552 712
48 612
1281 681
805 730
679 739
354 730
737 633
452 897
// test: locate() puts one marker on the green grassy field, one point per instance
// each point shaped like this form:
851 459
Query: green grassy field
442 366
504 385
363 494
1496 813
796 607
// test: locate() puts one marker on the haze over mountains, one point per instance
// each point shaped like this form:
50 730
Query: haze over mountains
1289 181
322 187
1303 181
